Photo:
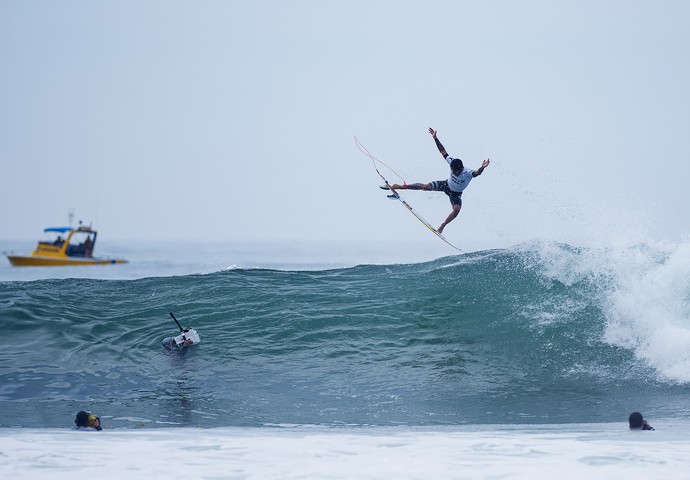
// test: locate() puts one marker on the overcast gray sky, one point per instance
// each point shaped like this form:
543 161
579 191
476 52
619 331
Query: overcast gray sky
228 120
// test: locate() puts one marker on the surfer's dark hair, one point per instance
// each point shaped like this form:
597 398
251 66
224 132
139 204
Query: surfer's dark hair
456 165
635 420
82 419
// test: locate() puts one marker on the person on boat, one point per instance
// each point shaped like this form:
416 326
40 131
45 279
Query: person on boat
88 247
82 422
637 422
459 179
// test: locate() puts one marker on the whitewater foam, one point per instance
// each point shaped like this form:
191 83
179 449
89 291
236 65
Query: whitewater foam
649 310
644 293
600 451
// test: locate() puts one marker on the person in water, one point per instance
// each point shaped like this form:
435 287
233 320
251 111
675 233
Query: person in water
95 422
188 337
636 422
459 179
84 423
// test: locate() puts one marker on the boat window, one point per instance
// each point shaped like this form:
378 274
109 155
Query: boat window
81 244
53 238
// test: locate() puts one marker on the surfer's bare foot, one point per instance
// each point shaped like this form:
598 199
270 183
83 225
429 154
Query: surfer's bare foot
440 229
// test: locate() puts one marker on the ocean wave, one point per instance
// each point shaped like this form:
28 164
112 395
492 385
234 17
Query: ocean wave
537 333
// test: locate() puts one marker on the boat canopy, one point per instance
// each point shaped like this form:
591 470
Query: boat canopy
58 229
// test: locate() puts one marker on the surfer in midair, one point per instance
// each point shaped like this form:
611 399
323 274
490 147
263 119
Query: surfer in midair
459 179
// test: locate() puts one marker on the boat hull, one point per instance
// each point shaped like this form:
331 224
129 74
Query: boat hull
40 261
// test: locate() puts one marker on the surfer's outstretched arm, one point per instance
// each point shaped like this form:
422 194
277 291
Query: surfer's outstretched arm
480 170
438 143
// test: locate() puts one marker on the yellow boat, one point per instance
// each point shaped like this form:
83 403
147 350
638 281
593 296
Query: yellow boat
75 250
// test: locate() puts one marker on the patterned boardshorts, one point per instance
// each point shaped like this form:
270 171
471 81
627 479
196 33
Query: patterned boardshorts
442 186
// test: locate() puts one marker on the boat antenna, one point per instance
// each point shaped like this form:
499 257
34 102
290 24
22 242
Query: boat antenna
70 215
178 323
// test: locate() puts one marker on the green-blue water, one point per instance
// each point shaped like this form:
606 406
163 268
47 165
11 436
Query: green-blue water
540 333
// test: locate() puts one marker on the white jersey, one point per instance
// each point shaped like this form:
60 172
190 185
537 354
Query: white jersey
457 183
